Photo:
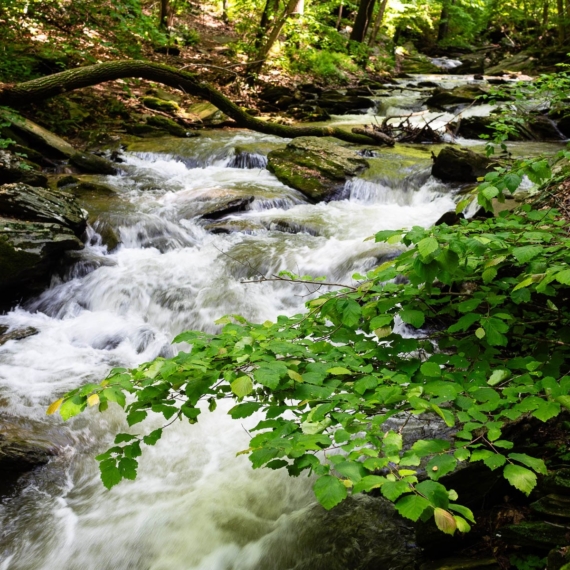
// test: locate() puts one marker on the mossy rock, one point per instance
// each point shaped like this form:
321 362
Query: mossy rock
14 169
516 63
454 164
206 113
170 126
160 104
536 534
92 163
316 167
463 94
145 131
462 564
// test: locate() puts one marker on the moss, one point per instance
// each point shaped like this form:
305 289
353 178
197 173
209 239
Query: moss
160 104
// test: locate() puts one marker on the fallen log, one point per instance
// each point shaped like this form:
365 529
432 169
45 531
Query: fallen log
377 135
36 90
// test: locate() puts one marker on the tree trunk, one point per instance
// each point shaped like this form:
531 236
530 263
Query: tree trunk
561 21
363 17
260 57
270 9
443 27
378 22
339 15
165 14
45 87
545 15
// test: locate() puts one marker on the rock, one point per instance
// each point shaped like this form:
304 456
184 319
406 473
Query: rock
92 163
478 77
229 206
473 127
450 218
14 169
168 50
544 129
557 482
145 131
206 113
25 202
427 84
463 94
470 63
339 104
66 180
553 505
454 164
16 459
232 226
30 250
168 125
364 91
160 104
462 564
16 334
362 533
245 159
417 64
278 95
37 137
316 167
536 534
559 559
519 62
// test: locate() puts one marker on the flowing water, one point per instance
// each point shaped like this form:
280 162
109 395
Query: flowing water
195 504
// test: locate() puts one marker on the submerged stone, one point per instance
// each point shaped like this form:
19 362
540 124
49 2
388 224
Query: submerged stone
16 334
316 167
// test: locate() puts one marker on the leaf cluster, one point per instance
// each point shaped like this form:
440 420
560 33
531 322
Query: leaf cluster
470 324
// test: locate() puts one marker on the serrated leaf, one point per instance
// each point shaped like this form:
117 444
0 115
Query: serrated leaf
480 333
242 386
547 411
469 305
495 461
93 400
412 506
440 465
383 332
72 406
329 491
521 478
534 463
394 489
430 369
425 447
427 246
462 524
413 317
563 277
525 253
339 371
244 410
444 521
464 511
153 436
498 376
369 482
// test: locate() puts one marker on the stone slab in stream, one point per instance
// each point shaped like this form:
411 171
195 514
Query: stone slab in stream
454 164
315 166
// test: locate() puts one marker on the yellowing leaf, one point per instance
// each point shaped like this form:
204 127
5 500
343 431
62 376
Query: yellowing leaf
93 400
445 521
54 407
382 332
339 371
480 332
295 376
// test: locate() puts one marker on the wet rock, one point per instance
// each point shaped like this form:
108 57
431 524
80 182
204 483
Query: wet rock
454 164
278 96
145 131
29 203
17 458
563 125
37 137
553 505
362 533
168 125
107 233
557 482
519 62
365 91
316 167
462 564
337 103
291 227
226 207
544 129
470 63
461 95
16 334
66 180
245 159
541 535
473 127
451 218
30 250
14 169
233 226
427 84
92 163
158 104
417 63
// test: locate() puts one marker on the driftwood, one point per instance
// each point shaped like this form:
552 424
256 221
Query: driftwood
403 132
45 87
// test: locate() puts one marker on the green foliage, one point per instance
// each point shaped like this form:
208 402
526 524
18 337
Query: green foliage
325 64
528 562
470 324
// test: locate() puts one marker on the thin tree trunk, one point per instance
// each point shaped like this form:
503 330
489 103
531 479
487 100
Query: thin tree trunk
262 53
165 15
363 17
561 21
378 22
270 9
545 15
443 26
23 94
339 15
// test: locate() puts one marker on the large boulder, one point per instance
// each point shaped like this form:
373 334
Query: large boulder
460 95
520 62
14 169
37 226
473 63
316 167
339 104
455 164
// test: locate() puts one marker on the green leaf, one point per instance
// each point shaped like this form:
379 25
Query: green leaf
351 312
72 406
497 377
242 386
462 524
153 436
427 246
436 493
521 478
490 192
136 417
440 465
430 369
329 491
469 305
244 410
464 511
339 371
412 506
425 447
512 181
563 277
381 321
110 474
547 411
494 461
351 470
394 489
534 463
526 253
413 317
369 482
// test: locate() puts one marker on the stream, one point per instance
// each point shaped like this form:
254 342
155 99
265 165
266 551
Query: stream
195 505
